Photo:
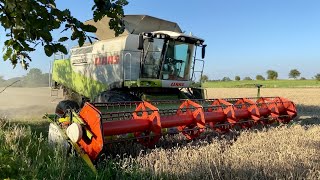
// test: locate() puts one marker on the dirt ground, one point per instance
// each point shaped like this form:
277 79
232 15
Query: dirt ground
27 103
301 96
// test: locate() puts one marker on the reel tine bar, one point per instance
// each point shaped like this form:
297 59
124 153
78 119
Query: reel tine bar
147 123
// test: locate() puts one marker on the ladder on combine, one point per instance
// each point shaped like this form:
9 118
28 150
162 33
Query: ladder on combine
54 88
54 92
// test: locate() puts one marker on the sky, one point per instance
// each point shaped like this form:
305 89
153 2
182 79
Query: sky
243 37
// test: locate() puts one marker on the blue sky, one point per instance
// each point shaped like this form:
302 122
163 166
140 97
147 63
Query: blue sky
244 37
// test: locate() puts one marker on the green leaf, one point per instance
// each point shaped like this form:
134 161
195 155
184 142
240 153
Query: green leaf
81 41
74 35
16 46
48 49
89 28
46 35
8 42
61 48
14 59
66 12
62 39
8 54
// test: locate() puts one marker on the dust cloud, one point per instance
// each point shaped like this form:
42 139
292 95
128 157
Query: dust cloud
27 103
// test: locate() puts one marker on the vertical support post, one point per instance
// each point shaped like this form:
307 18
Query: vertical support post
50 71
258 86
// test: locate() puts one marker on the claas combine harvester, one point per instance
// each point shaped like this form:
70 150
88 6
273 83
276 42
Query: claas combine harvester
142 85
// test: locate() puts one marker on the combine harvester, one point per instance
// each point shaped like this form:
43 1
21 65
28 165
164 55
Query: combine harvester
142 85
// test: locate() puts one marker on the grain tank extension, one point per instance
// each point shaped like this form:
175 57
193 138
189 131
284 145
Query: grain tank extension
142 85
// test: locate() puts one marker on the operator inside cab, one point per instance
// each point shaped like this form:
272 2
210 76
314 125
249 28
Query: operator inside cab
172 67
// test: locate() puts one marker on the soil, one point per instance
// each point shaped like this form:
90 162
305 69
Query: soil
26 103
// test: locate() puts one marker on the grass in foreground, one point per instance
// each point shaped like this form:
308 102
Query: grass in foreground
25 154
266 84
287 152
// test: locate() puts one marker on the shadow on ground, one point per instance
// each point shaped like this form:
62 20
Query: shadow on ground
308 115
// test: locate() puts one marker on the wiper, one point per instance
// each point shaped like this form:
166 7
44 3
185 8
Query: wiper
145 57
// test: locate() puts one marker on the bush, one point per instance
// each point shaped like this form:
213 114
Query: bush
260 77
303 78
237 78
272 75
294 73
247 78
317 77
204 78
226 79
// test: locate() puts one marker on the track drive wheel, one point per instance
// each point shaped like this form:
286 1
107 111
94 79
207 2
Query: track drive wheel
115 96
65 105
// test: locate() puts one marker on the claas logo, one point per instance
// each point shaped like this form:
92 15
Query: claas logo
177 84
107 60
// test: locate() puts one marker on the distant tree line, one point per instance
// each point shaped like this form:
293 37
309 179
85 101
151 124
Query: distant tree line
271 75
34 78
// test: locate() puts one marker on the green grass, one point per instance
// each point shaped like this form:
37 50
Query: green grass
26 154
266 83
264 154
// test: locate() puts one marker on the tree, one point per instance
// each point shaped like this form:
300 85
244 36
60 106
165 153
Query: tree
237 78
247 78
204 78
226 79
272 75
294 73
36 78
303 78
34 73
33 77
317 77
29 23
260 77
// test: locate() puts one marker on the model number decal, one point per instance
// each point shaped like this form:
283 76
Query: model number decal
107 60
174 84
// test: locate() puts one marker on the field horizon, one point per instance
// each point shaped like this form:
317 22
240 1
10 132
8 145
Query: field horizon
281 83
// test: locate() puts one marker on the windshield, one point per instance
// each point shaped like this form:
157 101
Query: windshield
176 65
176 62
152 56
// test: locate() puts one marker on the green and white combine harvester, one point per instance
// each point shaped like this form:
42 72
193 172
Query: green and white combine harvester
142 85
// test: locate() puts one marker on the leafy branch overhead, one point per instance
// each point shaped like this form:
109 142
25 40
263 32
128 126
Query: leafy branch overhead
29 23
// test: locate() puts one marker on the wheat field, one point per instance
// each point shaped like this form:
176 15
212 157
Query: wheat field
283 152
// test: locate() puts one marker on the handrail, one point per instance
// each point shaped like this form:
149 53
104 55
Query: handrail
130 70
200 71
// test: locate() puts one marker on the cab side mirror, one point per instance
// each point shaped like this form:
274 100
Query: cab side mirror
203 53
140 47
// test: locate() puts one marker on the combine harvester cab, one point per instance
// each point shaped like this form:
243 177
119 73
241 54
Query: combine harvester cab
143 85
